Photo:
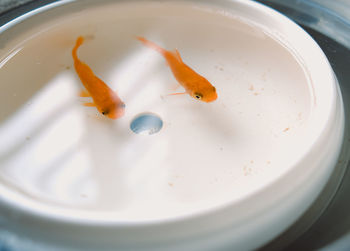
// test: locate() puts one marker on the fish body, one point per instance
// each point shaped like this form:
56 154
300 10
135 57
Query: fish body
195 85
104 98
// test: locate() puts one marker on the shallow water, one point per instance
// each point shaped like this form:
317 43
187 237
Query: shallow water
56 153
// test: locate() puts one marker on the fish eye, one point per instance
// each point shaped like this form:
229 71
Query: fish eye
104 112
122 105
198 96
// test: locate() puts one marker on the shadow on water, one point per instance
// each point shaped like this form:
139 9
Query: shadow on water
22 89
97 134
49 120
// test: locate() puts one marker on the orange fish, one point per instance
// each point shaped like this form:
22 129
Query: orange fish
195 85
104 98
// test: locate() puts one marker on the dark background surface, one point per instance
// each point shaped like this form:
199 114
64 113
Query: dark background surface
8 4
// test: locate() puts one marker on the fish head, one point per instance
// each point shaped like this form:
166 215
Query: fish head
114 111
206 93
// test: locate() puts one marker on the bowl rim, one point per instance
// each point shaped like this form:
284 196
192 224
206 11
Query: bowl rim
323 113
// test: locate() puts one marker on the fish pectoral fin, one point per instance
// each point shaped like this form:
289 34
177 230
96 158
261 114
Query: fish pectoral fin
84 94
175 86
90 104
177 93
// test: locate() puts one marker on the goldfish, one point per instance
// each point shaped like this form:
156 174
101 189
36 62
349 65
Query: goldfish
195 85
104 98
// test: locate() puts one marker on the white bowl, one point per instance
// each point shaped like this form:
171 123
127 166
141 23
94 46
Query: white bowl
234 173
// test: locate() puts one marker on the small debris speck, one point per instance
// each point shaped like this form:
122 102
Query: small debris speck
67 67
27 138
268 162
170 184
246 171
89 37
256 93
251 88
286 129
300 115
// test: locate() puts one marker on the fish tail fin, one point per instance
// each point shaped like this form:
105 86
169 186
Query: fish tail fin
152 45
79 42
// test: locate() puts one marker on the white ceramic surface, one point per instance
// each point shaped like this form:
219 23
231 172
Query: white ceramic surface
232 173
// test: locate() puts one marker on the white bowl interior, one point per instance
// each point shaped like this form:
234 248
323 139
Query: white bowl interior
61 157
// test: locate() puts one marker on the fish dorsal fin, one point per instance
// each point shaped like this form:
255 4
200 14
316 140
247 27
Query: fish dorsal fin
178 56
84 94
